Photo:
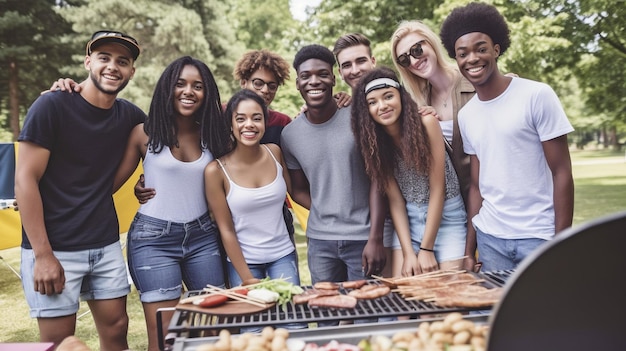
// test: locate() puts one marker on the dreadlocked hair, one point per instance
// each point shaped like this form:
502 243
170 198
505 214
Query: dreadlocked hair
377 148
254 60
161 127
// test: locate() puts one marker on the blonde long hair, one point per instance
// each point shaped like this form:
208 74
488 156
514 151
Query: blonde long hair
418 87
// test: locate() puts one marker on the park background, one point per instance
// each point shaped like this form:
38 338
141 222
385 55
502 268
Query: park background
576 46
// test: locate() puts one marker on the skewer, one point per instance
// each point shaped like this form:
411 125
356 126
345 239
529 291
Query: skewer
385 280
466 281
210 289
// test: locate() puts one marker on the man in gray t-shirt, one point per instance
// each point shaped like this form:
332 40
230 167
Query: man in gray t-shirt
328 177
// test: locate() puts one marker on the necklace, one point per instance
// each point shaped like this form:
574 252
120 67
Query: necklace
446 97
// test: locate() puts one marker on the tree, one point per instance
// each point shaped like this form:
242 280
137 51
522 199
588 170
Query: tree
33 46
597 27
165 30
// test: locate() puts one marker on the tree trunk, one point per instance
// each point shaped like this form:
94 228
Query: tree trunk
613 138
14 99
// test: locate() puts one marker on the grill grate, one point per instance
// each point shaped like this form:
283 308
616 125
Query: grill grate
194 324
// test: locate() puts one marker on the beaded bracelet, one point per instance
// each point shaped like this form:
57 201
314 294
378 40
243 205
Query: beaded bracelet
425 249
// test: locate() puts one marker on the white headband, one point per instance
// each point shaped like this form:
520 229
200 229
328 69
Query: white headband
381 83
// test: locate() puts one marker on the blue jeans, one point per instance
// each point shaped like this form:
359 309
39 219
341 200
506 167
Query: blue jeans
335 260
500 254
284 267
162 255
450 240
93 274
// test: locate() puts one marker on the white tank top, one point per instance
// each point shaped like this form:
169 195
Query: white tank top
258 218
179 186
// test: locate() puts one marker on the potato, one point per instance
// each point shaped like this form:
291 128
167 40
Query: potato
478 341
267 333
222 345
437 327
415 344
462 325
452 318
461 338
460 348
238 344
423 334
441 338
402 336
224 335
281 332
279 343
256 342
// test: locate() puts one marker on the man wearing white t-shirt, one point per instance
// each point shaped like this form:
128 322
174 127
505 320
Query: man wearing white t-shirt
515 131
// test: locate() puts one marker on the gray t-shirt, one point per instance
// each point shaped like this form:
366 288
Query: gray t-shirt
339 186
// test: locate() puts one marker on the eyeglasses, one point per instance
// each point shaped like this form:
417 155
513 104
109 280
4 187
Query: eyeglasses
259 83
415 51
104 33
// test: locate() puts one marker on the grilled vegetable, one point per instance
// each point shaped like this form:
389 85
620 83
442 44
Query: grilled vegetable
212 301
284 289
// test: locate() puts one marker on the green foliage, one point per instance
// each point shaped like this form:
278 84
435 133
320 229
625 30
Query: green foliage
576 46
33 44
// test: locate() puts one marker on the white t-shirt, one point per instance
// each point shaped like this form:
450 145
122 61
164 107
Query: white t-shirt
506 135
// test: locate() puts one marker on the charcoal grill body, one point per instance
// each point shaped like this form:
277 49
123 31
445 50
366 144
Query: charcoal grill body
567 295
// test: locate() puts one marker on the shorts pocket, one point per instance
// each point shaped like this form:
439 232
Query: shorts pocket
146 231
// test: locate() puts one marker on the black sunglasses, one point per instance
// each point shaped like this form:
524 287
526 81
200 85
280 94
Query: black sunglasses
415 51
108 33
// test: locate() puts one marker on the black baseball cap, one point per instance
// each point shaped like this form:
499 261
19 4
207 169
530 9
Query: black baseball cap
110 36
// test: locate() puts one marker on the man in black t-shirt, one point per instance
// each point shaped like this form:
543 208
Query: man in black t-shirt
68 153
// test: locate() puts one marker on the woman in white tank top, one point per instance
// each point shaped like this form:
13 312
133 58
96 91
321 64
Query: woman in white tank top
246 189
172 239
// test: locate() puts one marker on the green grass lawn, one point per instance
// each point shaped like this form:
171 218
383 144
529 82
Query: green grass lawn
600 185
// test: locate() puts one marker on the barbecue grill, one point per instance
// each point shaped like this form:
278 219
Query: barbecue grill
192 324
568 294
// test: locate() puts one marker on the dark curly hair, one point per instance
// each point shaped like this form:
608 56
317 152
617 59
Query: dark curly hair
254 60
376 146
475 17
161 127
313 51
235 100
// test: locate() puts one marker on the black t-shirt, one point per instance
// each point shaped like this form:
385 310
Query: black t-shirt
86 144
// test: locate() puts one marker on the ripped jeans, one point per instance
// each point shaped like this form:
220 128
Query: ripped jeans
162 255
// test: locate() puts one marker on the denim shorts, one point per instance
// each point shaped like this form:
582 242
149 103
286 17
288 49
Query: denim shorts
93 274
450 240
388 233
335 260
284 267
162 255
500 254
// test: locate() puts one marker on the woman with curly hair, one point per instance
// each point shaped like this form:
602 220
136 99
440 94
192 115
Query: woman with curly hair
405 154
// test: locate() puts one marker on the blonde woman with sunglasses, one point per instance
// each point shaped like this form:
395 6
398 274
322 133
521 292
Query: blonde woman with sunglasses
432 80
